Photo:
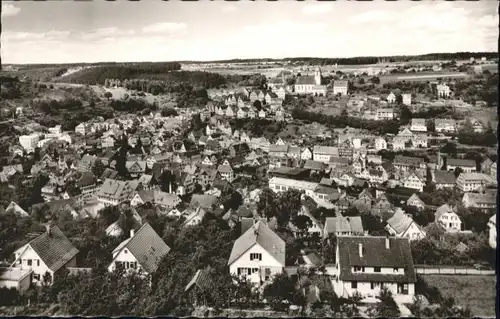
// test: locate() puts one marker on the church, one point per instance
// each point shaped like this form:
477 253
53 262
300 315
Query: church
310 84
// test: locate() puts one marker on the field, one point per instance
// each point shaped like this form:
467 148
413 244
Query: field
420 76
477 292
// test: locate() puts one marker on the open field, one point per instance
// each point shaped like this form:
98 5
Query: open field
421 76
477 292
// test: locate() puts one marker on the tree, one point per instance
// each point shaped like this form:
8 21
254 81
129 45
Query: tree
108 95
361 81
282 290
387 307
372 224
458 171
399 99
98 168
257 104
375 80
405 115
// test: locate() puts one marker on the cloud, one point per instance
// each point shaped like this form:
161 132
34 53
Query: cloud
164 27
320 8
32 36
106 32
9 10
373 16
229 8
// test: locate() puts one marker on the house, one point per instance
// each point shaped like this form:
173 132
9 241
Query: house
81 129
142 252
443 90
279 184
481 201
493 170
406 99
406 163
310 84
443 179
492 222
477 126
470 182
46 255
384 114
113 192
161 199
343 226
107 142
88 186
418 125
17 278
446 217
365 264
445 125
204 201
29 142
402 225
380 144
391 98
466 165
340 87
186 184
486 166
226 172
258 254
414 180
415 201
239 150
15 209
293 152
324 153
114 230
200 285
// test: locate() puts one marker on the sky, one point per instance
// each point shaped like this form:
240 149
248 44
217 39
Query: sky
151 30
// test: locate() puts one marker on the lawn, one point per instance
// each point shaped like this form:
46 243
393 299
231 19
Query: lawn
477 292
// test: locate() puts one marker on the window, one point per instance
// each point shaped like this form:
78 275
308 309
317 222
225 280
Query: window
395 269
255 256
29 262
38 262
254 270
125 251
376 269
36 277
354 284
375 285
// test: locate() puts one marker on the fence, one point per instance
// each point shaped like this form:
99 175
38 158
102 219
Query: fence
451 270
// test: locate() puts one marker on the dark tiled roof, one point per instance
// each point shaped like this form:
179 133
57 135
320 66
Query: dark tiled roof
443 177
55 250
375 254
202 279
147 247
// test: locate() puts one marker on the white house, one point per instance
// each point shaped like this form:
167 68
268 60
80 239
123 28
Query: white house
446 217
402 225
365 264
418 125
380 144
81 129
279 184
324 153
340 87
471 182
443 90
258 254
113 192
141 252
406 99
493 231
46 254
445 125
29 142
391 98
306 154
413 180
310 84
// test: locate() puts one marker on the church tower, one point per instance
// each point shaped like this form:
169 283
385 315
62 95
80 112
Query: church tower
317 76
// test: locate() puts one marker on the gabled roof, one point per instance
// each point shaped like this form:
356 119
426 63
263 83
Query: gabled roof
265 237
444 177
147 247
375 254
342 224
306 80
460 162
400 222
205 201
54 249
202 279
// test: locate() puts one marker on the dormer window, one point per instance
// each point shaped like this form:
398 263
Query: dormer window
125 251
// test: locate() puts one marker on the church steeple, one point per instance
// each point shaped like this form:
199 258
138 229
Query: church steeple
317 76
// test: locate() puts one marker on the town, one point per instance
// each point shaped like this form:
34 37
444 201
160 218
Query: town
290 187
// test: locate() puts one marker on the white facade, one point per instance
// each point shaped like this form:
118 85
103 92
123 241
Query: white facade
27 258
450 221
406 99
125 258
29 142
413 181
380 144
256 264
493 232
278 184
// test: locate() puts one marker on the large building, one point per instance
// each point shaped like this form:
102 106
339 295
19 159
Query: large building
279 184
29 142
310 84
365 264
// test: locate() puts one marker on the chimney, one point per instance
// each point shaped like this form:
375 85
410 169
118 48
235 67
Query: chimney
47 227
360 250
387 243
132 233
170 187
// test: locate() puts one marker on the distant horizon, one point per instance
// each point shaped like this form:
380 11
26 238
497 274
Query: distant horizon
72 32
262 58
